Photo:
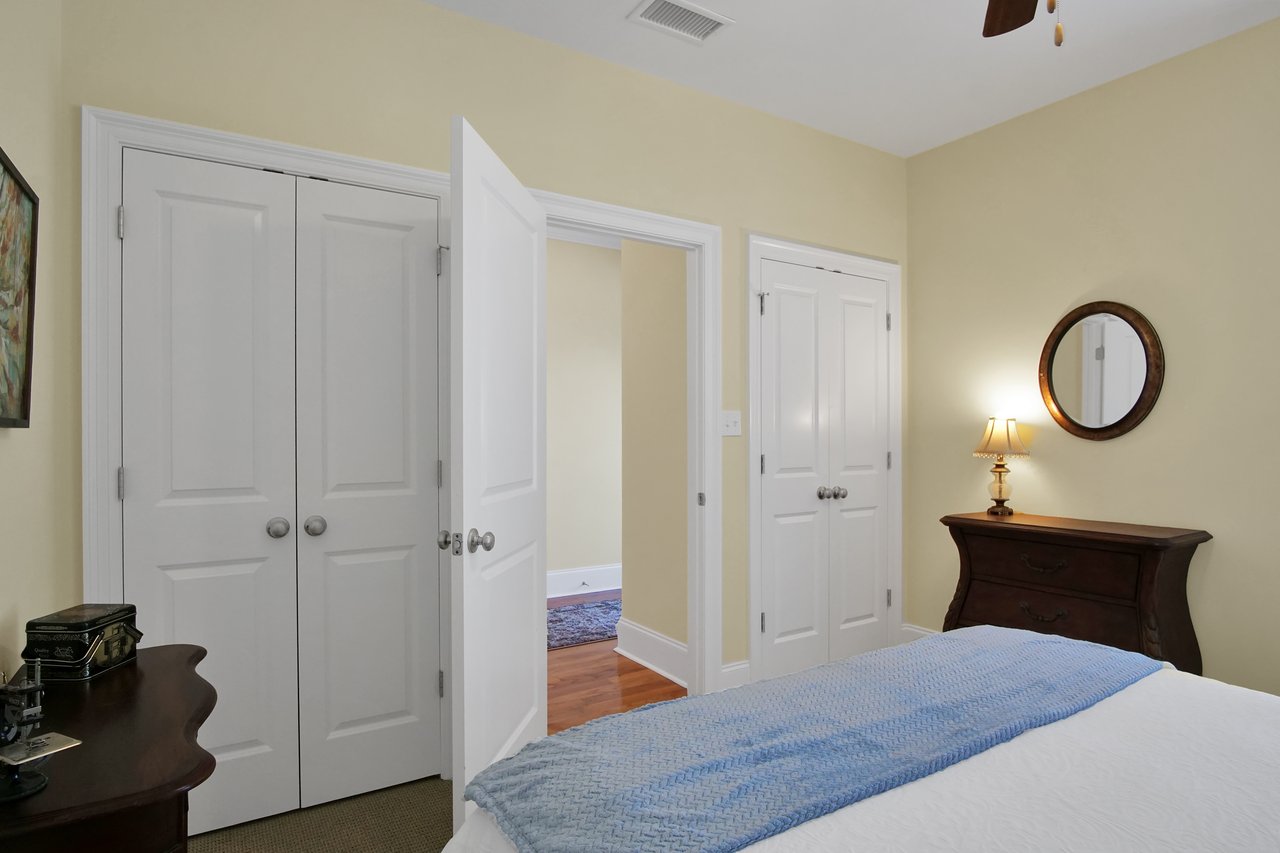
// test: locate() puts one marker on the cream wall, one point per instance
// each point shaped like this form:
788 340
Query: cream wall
584 406
40 466
1161 190
381 78
655 435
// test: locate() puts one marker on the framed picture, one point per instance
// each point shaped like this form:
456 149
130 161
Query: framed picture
19 215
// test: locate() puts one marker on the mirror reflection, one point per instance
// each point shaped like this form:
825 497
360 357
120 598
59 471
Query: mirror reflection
1099 370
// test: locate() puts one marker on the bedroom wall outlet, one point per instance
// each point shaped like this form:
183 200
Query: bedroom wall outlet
731 423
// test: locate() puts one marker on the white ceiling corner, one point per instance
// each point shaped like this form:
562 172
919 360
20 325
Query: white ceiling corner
903 76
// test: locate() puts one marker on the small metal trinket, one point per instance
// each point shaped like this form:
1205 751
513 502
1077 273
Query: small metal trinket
20 717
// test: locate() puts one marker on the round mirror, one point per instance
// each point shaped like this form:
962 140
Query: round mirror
1101 370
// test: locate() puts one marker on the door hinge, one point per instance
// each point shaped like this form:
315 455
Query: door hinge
120 483
888 322
1100 353
762 623
762 303
439 473
702 498
440 684
120 222
888 461
888 597
761 463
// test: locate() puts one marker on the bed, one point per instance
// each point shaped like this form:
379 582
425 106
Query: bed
1171 761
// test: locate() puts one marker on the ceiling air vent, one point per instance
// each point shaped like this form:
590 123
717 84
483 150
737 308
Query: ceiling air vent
685 20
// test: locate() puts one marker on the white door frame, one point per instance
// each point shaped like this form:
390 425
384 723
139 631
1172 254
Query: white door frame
760 249
701 621
104 136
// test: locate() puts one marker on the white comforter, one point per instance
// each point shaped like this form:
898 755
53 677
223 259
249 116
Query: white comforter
1174 762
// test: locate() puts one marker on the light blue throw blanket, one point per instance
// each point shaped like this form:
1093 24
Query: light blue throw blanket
722 771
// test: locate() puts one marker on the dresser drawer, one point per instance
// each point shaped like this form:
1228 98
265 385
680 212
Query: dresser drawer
1051 613
1099 572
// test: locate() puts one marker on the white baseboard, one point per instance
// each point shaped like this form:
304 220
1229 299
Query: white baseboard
734 674
658 652
563 582
914 632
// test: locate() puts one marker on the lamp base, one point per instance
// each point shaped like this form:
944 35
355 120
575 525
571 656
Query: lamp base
999 489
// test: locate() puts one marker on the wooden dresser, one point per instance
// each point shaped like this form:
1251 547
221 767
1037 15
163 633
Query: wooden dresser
125 787
1123 585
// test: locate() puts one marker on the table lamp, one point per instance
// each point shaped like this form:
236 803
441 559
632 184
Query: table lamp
1000 440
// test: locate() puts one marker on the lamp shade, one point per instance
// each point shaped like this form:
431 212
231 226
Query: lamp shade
1000 439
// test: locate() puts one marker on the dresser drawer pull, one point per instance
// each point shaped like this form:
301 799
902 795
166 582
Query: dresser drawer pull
1042 569
1026 608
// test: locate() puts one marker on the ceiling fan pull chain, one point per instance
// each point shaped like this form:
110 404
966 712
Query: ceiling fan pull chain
1057 29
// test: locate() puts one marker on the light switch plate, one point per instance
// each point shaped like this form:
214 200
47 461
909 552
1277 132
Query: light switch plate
731 423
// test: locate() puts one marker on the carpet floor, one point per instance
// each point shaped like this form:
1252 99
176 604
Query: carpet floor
588 622
412 818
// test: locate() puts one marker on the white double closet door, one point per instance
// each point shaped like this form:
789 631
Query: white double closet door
279 363
824 375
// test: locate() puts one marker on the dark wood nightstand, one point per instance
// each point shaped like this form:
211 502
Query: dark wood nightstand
1122 585
125 787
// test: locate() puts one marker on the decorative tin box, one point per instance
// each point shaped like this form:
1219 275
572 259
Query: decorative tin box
80 642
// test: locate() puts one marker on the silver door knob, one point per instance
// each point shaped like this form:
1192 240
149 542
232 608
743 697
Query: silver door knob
475 540
443 539
315 525
824 493
841 493
278 528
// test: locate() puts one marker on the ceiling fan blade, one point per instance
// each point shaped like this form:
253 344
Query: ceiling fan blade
1006 15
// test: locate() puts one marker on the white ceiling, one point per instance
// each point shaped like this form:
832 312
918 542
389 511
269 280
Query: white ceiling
900 75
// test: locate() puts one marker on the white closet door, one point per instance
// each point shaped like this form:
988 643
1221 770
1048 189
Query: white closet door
368 504
498 452
208 418
795 522
855 349
824 484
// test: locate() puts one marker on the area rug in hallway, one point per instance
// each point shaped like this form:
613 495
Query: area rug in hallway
589 622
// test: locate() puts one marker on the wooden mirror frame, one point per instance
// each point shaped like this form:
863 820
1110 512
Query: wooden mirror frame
1150 388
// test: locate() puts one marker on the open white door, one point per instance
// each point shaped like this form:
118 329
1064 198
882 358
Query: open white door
498 456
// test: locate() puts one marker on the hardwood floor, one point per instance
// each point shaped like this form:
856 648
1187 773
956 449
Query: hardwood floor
592 680
583 598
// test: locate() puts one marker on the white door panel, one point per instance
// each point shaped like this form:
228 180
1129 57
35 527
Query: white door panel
796 624
498 455
795 527
368 586
858 581
855 308
824 413
208 416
